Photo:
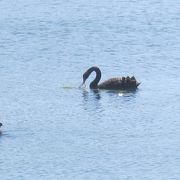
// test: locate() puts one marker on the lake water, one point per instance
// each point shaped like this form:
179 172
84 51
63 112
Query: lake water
53 130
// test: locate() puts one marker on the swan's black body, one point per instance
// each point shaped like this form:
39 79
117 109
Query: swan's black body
121 83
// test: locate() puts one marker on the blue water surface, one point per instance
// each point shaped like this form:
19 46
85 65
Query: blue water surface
52 129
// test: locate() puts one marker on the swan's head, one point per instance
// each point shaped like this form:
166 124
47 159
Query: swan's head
89 71
85 76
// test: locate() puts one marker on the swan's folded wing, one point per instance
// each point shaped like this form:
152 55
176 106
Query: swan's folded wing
119 83
113 83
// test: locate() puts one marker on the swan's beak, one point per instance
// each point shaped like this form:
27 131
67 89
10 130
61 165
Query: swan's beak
83 84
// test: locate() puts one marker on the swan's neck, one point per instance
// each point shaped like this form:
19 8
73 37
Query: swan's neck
94 83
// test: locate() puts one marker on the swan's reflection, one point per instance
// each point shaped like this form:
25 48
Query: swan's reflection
93 97
98 104
0 129
123 96
92 100
96 93
90 95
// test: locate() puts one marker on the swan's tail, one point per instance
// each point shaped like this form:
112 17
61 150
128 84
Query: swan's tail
138 83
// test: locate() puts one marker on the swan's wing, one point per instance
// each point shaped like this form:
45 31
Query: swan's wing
112 83
119 83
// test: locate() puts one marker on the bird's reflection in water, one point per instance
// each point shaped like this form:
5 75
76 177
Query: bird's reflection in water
0 129
127 93
92 100
96 93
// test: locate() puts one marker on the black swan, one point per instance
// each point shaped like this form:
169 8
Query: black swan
0 124
120 83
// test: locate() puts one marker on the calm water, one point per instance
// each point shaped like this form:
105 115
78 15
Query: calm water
52 129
